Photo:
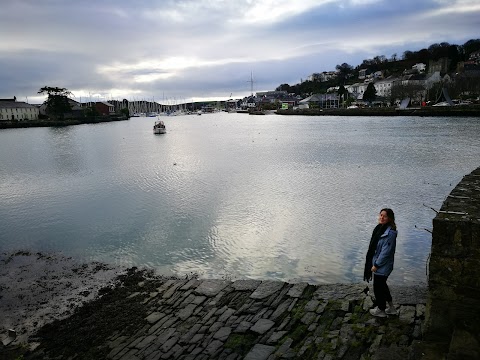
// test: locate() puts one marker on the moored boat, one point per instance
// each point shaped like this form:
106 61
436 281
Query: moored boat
159 127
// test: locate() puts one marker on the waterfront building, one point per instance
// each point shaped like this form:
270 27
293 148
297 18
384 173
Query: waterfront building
105 108
249 102
322 101
11 109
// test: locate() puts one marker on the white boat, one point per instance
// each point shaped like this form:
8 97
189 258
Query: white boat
159 127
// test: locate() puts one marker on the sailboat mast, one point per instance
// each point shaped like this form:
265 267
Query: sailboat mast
251 82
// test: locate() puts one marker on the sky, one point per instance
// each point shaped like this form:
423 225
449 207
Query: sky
175 51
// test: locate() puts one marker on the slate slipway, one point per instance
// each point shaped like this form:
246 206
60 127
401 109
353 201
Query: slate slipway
221 319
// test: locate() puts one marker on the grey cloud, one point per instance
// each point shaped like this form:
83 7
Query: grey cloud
65 43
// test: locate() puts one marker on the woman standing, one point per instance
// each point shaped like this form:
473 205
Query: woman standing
379 261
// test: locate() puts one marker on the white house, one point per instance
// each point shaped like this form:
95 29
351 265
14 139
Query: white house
384 87
357 90
11 109
248 102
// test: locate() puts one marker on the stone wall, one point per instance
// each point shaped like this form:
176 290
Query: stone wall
453 305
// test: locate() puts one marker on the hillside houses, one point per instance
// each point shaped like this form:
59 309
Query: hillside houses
422 79
323 76
416 79
413 84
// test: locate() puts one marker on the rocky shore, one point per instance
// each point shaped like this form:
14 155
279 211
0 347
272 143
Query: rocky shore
58 309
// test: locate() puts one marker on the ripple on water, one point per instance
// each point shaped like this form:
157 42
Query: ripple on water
285 198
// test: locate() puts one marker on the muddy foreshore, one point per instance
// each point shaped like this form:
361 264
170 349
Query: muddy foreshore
36 289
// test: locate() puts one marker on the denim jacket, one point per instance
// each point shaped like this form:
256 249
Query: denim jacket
385 252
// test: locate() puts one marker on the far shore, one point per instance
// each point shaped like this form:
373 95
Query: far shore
429 111
57 123
441 111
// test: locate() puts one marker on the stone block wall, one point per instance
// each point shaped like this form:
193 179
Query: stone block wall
453 305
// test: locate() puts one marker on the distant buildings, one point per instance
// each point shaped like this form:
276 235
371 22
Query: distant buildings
105 108
76 110
265 98
322 101
417 80
11 109
323 76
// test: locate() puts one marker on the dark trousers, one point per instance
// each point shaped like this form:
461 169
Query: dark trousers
381 291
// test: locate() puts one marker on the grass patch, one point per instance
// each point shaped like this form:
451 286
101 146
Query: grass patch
241 343
298 333
395 330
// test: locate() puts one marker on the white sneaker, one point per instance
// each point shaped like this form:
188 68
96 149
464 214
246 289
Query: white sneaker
377 312
390 310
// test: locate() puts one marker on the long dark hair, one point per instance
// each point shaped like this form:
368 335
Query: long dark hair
391 217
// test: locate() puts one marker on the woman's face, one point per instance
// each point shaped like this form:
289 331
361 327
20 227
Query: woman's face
383 218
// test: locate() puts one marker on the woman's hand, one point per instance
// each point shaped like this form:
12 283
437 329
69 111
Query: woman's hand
374 269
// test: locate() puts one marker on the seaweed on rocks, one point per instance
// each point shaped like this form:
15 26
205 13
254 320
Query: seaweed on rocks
84 335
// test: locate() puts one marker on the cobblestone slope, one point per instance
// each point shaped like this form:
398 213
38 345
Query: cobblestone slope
146 317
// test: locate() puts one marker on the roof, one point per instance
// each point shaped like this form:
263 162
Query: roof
319 98
104 103
15 105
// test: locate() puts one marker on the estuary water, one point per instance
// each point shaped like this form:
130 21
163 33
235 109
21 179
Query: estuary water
233 196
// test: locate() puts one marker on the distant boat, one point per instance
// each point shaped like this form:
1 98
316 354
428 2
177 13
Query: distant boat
159 127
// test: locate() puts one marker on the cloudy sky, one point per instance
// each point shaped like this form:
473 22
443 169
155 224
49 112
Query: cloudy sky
183 50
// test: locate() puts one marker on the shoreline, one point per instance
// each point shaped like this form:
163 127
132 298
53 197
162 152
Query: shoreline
49 298
37 288
453 111
18 124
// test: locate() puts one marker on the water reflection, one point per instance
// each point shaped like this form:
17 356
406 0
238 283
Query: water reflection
65 151
222 195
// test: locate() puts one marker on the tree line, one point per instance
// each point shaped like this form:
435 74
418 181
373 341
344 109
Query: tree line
57 104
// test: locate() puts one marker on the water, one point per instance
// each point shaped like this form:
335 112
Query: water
231 195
